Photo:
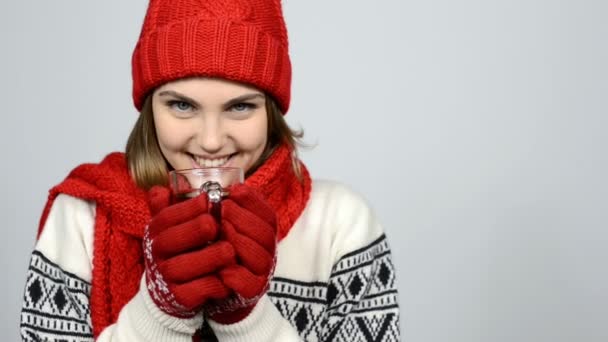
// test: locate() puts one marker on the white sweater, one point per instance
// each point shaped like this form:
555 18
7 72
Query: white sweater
334 281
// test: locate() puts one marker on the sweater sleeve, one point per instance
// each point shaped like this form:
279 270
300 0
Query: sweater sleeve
58 286
361 297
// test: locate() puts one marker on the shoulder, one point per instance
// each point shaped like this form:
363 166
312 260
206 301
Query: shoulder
100 182
113 165
338 200
67 236
336 193
69 212
74 206
345 214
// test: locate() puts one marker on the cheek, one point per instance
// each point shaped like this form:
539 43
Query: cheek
166 133
254 136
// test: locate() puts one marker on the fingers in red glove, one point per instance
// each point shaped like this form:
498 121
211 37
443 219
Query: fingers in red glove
249 199
188 266
243 282
181 255
194 293
250 253
178 213
187 236
247 223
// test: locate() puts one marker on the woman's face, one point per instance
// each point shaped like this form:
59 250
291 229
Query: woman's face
204 122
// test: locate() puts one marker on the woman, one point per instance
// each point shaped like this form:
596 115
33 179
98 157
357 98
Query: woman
287 258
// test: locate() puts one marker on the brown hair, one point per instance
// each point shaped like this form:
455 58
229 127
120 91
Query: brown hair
149 167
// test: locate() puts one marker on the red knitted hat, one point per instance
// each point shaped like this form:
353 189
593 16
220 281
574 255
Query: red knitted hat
239 40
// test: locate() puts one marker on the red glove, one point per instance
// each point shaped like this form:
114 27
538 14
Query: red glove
182 254
249 224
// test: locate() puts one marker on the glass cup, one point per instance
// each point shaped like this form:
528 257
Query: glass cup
213 181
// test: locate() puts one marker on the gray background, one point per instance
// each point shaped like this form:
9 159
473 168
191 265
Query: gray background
476 130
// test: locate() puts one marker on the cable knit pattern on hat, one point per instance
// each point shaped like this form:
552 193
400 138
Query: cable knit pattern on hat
239 40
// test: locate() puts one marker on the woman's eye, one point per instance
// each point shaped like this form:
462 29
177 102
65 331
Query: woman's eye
242 107
180 106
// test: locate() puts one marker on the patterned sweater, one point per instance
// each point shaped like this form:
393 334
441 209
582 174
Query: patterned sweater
334 281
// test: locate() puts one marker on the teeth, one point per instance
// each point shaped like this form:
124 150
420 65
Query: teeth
211 162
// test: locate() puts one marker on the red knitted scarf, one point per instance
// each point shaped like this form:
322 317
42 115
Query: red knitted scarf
122 213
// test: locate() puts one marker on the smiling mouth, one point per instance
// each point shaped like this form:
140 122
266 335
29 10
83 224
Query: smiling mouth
211 162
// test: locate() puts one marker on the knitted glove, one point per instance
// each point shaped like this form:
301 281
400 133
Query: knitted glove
182 254
249 224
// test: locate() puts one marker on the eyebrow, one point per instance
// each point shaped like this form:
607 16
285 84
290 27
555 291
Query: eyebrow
229 103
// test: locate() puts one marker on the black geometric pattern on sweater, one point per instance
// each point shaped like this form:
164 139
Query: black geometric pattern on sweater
303 304
359 303
55 304
365 304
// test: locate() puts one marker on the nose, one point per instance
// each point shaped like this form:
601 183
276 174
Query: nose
211 136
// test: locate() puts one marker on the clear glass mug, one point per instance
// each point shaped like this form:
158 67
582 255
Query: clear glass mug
213 181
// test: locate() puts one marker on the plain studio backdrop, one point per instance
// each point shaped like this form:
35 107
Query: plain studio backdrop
475 129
